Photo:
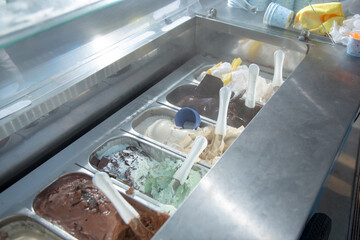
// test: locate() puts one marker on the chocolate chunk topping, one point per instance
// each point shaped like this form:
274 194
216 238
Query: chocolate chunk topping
130 191
145 154
147 222
132 148
116 165
112 175
94 161
93 204
128 176
103 162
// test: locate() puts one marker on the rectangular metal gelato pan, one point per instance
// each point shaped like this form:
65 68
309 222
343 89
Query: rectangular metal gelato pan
23 227
21 221
155 112
208 106
198 72
145 167
184 93
157 125
75 204
140 122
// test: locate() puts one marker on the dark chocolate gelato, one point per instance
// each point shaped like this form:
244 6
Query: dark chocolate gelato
205 100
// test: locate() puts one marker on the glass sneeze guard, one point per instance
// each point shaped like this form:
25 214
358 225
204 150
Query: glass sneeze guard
47 64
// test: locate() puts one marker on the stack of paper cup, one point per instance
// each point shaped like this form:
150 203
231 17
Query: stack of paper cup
300 4
269 12
261 5
285 3
278 16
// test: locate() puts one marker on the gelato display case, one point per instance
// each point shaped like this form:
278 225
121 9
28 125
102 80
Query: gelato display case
95 87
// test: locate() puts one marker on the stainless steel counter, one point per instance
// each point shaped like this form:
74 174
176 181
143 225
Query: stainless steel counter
267 183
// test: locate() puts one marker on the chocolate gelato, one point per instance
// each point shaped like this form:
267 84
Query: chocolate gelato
205 100
81 209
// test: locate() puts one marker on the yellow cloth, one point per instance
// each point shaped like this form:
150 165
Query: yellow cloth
327 12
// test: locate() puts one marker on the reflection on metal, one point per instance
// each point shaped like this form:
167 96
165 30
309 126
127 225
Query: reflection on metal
166 10
339 186
63 78
8 110
21 19
234 213
212 13
243 4
175 23
347 160
11 79
262 53
137 39
308 99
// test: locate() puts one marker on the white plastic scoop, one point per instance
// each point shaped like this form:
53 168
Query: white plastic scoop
125 210
251 90
279 57
217 144
224 99
182 173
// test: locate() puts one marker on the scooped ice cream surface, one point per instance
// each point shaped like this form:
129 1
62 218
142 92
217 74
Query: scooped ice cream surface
146 173
81 209
165 131
205 98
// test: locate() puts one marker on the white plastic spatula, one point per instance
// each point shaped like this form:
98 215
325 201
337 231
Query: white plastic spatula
251 90
125 210
224 100
217 144
279 57
182 173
